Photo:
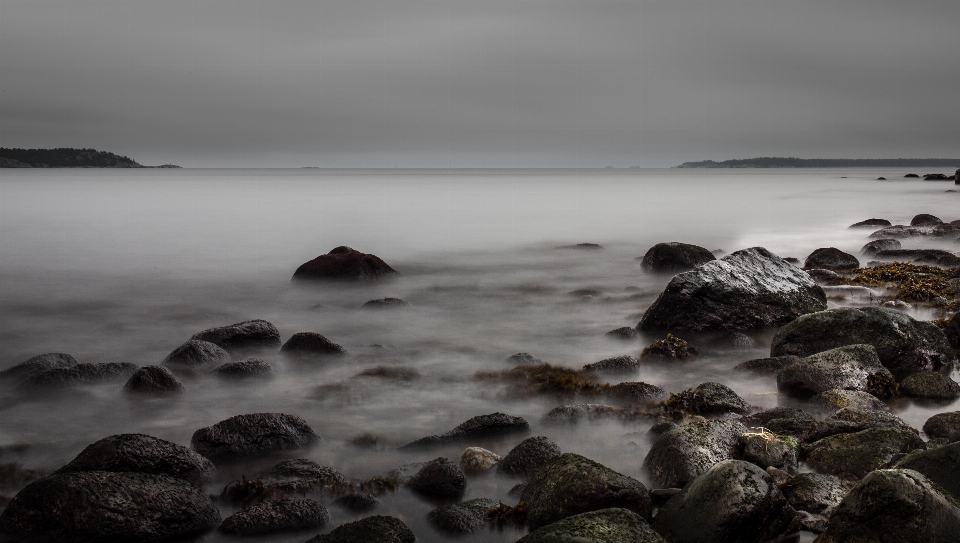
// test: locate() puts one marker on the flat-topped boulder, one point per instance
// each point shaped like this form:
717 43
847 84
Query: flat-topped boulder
748 289
481 426
869 223
252 435
37 364
877 245
253 334
684 452
344 264
851 367
674 257
857 454
831 258
311 344
142 454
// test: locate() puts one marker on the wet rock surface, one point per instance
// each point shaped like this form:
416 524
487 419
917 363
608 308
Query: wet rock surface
617 364
478 460
857 454
245 369
669 348
529 456
358 503
708 399
831 258
768 450
875 246
253 334
300 476
781 420
674 257
79 374
930 384
286 514
37 364
153 381
311 344
943 426
835 399
816 492
940 465
523 358
385 303
602 526
769 365
851 367
439 479
634 391
682 453
936 257
625 333
197 353
253 434
573 414
479 427
870 223
344 264
376 528
142 454
461 518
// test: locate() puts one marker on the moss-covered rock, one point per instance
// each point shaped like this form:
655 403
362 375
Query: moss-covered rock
682 453
851 367
253 434
931 385
834 399
944 426
603 526
529 456
287 514
857 454
940 465
781 420
617 364
816 492
708 399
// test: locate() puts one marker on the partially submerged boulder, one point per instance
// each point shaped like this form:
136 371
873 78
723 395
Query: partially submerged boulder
616 364
930 385
877 245
816 492
634 391
283 515
142 454
952 332
857 454
197 352
385 303
944 426
253 434
674 257
254 334
245 369
153 381
37 364
708 399
747 289
851 367
439 479
575 413
461 518
869 223
684 452
831 258
936 257
376 528
940 465
344 264
528 456
769 365
925 219
478 460
834 399
79 374
311 344
669 348
602 526
481 426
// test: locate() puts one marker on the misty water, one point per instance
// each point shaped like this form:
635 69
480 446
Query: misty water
125 265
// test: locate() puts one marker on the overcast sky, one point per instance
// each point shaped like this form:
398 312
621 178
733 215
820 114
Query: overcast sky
481 83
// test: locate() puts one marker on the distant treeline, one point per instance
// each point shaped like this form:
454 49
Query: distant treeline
63 158
791 162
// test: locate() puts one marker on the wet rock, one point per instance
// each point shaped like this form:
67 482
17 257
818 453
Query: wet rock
617 364
311 344
770 365
142 454
674 257
479 427
249 368
461 518
79 374
738 340
831 258
529 456
624 333
944 426
851 367
376 528
857 454
809 521
748 289
779 476
286 514
825 277
92 506
839 399
925 219
478 460
523 358
197 353
903 232
902 343
952 331
602 526
385 303
344 264
573 414
255 334
935 257
439 479
781 420
153 381
940 465
670 348
877 245
634 391
571 484
683 453
583 247
253 434
816 492
301 476
660 496
892 506
358 503
708 399
753 511
661 427
931 385
871 223
909 175
37 364
768 450
852 420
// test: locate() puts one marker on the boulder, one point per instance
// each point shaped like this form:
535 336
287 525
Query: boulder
902 343
529 456
197 353
892 506
79 374
573 414
674 257
952 331
931 385
770 365
478 460
857 454
669 348
925 219
831 258
849 420
255 334
286 514
825 277
376 528
940 465
733 501
385 303
142 454
300 476
877 245
634 391
523 358
479 427
815 492
344 264
603 526
851 367
99 506
871 223
311 344
583 247
839 399
747 289
909 175
570 484
245 369
936 257
153 381
617 364
708 399
781 420
682 453
439 479
768 450
945 426
37 364
625 333
252 435
358 503
902 232
461 518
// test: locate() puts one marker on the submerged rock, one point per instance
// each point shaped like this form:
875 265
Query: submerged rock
311 344
481 426
255 334
300 476
634 391
286 514
871 223
875 246
197 353
344 264
529 456
773 364
439 479
523 358
153 381
936 257
37 364
617 364
249 368
461 518
142 454
708 399
851 367
925 219
572 414
669 348
358 503
831 258
376 528
385 303
624 333
603 526
254 434
748 289
674 257
478 460
79 374
684 452
857 454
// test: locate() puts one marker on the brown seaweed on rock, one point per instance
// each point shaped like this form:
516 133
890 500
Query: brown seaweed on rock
671 347
546 379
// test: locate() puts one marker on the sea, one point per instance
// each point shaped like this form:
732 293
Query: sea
125 265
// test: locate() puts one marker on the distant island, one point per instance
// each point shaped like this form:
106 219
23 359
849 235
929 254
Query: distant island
791 162
67 158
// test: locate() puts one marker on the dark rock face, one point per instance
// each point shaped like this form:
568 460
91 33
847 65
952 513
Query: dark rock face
781 420
815 492
952 332
100 506
849 420
891 506
523 358
251 435
857 454
142 454
825 277
37 364
831 258
255 334
300 476
573 414
571 484
197 353
376 528
461 518
943 426
766 450
940 465
709 399
153 381
925 219
767 365
249 368
948 231
603 526
617 364
311 344
624 333
281 515
930 384
910 175
871 223
901 342
685 452
754 510
481 426
674 257
669 348
936 257
358 503
634 391
748 289
875 246
851 367
840 399
529 456
583 247
439 479
79 374
385 303
345 264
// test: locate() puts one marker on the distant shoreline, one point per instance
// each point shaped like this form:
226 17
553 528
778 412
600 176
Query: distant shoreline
791 162
66 157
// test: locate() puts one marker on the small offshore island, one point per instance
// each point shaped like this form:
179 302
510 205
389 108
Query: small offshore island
67 158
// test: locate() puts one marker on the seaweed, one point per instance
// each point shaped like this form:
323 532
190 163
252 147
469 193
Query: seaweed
399 373
912 282
544 378
670 347
504 515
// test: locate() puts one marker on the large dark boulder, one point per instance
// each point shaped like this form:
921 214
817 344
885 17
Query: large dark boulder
79 374
877 245
616 364
936 257
902 343
747 289
377 528
850 420
870 223
603 526
300 476
37 364
286 514
107 507
571 484
684 452
893 506
462 518
153 381
709 399
345 264
634 391
575 413
815 492
944 426
251 435
831 258
732 502
142 454
674 257
439 479
311 344
940 465
857 454
197 352
529 456
479 427
255 334
851 367
245 369
931 385
925 219
836 398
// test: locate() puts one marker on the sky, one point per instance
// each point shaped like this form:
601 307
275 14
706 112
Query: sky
481 83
